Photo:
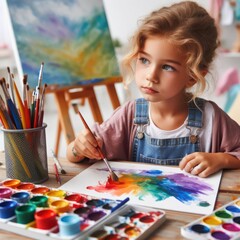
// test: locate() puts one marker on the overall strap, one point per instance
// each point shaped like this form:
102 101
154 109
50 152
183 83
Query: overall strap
195 113
141 112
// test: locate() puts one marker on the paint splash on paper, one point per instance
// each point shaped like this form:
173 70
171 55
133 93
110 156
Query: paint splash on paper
156 183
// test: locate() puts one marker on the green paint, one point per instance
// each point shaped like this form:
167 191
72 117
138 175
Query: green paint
203 204
223 214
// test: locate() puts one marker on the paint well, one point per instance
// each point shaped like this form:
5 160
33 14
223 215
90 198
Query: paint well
146 219
236 220
212 220
233 209
230 227
83 211
132 231
220 235
95 202
200 228
223 214
95 216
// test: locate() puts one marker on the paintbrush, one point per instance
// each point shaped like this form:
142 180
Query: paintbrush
5 116
112 173
41 107
25 103
11 106
56 161
19 104
11 85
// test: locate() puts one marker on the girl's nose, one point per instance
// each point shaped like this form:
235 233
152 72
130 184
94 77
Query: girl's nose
152 77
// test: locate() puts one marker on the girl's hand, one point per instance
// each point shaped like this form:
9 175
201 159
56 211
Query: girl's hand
203 164
86 145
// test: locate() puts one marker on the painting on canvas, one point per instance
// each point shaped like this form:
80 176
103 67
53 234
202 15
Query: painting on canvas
149 185
72 38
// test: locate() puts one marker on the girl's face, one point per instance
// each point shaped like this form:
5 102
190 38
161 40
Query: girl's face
161 72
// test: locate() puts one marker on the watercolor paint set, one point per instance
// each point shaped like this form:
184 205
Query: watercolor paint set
41 212
222 224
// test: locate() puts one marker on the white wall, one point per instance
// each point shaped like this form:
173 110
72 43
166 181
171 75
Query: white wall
123 15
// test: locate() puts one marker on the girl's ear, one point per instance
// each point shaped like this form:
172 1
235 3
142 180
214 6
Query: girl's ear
191 82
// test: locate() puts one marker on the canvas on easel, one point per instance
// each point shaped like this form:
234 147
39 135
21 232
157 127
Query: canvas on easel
73 40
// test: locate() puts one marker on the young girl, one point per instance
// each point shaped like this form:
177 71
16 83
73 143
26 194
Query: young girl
171 54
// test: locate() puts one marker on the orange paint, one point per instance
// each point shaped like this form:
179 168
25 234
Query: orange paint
12 183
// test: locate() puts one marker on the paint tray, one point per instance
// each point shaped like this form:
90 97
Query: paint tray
130 222
116 216
90 210
223 223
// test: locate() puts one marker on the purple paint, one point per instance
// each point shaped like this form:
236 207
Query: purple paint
192 184
95 216
220 235
83 211
231 227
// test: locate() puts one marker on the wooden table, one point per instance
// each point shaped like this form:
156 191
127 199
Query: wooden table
170 229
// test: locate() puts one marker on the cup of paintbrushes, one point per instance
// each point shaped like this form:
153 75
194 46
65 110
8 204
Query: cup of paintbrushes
26 154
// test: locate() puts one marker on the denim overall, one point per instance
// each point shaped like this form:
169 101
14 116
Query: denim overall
166 151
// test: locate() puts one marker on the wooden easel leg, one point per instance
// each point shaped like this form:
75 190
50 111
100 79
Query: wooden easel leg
97 116
62 107
113 95
57 143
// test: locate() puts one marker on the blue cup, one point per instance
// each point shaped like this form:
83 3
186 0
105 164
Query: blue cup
69 224
7 208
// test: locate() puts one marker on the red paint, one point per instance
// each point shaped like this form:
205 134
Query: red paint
146 219
155 214
110 184
40 190
26 186
84 226
46 219
137 215
76 198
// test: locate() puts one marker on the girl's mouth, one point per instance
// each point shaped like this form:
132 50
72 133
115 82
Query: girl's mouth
148 90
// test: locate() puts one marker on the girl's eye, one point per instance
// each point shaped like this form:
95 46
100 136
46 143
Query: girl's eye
143 60
168 68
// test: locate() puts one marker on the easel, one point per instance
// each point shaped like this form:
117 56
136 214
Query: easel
64 96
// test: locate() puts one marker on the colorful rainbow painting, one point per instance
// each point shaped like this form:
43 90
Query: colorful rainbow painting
72 38
149 185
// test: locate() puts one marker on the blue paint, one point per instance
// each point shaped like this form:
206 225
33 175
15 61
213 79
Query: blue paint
200 228
69 224
233 209
7 209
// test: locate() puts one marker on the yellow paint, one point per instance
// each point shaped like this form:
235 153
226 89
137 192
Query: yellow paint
238 203
60 206
56 193
211 220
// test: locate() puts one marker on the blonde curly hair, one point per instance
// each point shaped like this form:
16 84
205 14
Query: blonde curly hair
185 24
